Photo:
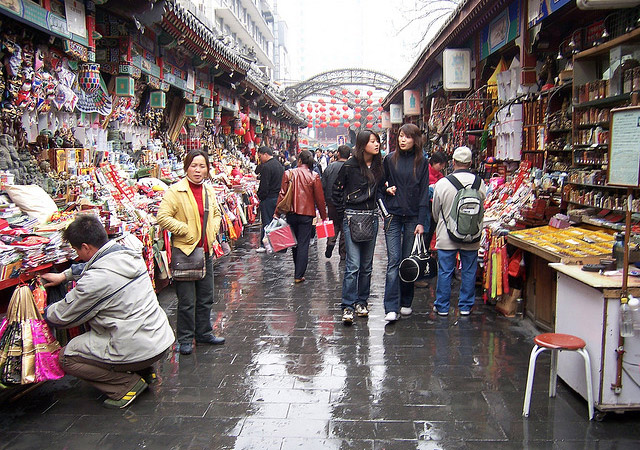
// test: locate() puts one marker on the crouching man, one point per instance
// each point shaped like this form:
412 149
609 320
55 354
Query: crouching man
128 330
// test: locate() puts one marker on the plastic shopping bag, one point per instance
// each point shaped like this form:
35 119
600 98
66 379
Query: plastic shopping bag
280 235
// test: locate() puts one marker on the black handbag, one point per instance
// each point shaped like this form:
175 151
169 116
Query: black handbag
361 224
191 267
419 264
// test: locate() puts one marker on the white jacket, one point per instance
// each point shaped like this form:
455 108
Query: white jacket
114 296
444 193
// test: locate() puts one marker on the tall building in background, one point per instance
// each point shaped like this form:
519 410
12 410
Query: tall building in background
281 53
248 25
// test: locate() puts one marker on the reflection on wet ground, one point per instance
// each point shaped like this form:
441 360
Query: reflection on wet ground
292 376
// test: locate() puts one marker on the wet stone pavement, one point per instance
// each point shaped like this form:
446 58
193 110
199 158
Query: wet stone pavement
292 376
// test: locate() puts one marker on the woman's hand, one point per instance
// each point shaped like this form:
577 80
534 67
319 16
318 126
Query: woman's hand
419 229
391 190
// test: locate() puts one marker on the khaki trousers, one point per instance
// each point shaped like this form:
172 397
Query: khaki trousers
115 380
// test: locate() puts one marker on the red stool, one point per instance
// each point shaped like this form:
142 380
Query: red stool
557 342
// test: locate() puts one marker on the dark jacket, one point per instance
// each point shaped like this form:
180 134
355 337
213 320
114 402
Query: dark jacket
352 189
412 191
329 178
270 178
307 192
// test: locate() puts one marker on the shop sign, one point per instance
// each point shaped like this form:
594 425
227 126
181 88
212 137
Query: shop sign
395 111
456 69
76 20
501 30
411 102
386 119
538 10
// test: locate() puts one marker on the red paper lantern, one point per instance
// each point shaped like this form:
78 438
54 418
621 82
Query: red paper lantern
369 93
309 125
346 124
323 109
369 101
369 125
356 124
379 125
309 108
357 100
345 99
321 101
332 92
357 116
369 108
344 92
323 117
358 109
323 125
332 108
369 117
380 108
309 116
333 100
345 116
357 92
380 100
345 107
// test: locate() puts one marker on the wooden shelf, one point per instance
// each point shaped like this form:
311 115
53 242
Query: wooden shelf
599 186
559 130
593 146
586 126
604 48
604 101
591 164
4 284
594 206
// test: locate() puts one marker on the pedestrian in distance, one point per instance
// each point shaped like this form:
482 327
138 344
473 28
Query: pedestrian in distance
128 330
328 180
270 172
355 194
306 196
182 213
458 211
405 193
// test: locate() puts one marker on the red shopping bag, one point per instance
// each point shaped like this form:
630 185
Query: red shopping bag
281 238
325 229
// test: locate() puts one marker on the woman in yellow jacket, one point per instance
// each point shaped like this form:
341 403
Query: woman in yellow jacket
182 213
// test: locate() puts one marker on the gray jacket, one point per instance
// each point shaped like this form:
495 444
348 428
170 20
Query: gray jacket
114 296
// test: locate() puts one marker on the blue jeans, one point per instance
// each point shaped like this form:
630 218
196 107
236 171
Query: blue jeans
399 236
446 267
356 284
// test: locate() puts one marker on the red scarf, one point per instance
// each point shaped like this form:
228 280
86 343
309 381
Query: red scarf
196 189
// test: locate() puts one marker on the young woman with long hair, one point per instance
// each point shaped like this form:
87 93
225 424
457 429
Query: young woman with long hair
354 194
405 192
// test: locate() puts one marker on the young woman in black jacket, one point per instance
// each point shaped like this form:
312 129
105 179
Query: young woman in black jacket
405 192
354 194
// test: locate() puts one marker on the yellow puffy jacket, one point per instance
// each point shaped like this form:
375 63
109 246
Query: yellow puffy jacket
179 214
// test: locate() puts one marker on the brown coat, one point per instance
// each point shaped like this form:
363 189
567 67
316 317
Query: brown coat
307 192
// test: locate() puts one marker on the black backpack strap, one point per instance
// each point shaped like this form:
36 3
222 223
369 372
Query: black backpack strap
454 180
476 183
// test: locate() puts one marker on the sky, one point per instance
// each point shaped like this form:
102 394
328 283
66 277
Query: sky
333 34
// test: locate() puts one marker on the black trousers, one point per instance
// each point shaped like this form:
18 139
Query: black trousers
301 227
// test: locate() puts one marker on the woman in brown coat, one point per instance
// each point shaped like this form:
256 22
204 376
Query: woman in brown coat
306 196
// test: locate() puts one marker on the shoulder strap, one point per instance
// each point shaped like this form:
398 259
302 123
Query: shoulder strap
206 212
454 180
476 183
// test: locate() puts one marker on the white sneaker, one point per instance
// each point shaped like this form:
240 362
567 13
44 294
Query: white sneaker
261 250
406 311
391 316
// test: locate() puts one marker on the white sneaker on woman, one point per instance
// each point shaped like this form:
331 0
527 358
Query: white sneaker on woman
406 311
391 316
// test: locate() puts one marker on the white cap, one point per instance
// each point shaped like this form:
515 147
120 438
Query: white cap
462 155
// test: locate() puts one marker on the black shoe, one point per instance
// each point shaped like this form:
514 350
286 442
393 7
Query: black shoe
329 251
186 348
211 339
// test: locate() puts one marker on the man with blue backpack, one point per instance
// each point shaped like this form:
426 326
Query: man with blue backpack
458 211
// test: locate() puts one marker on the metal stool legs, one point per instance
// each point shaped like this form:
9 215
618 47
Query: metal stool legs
554 375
